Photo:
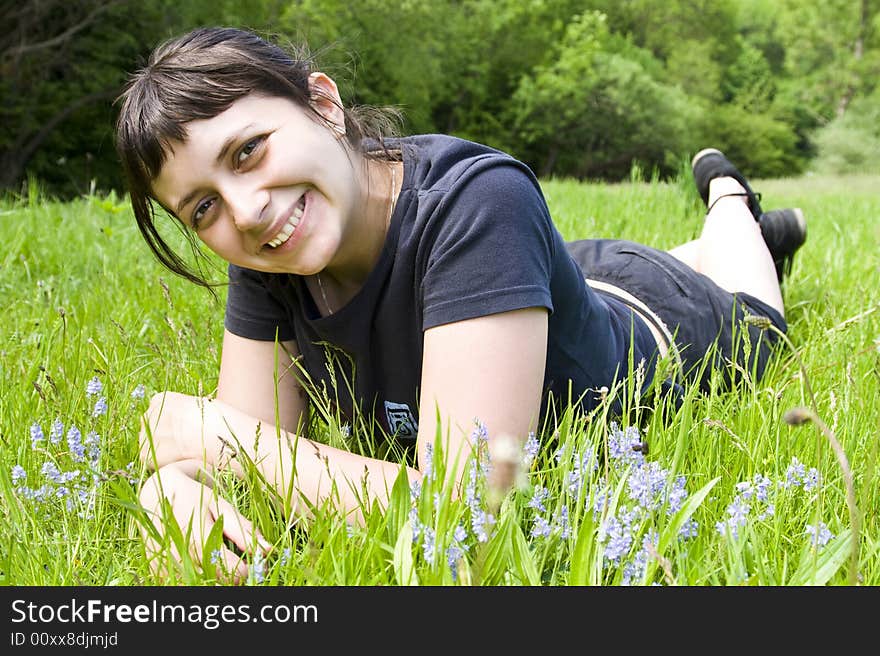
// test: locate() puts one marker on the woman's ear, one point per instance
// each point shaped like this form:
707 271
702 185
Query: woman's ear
324 99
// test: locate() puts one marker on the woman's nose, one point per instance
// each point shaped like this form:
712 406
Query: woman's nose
247 206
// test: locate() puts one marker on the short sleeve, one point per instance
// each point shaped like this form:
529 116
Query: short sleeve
492 248
252 311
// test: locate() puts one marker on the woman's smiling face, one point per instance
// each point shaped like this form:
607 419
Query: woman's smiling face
265 184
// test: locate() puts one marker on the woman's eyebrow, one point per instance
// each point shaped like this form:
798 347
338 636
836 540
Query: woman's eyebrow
231 140
185 201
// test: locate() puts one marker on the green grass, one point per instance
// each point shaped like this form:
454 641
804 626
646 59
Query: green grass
83 298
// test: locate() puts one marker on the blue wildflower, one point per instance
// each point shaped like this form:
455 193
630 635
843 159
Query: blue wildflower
138 392
811 479
559 455
762 486
36 434
454 553
646 483
621 443
258 569
561 523
75 445
471 498
480 434
677 495
634 570
530 451
538 498
38 495
456 550
429 460
100 407
18 474
689 529
579 474
93 445
50 471
616 534
795 473
215 556
56 432
542 528
820 535
94 387
481 522
67 477
285 557
758 488
601 498
415 523
738 512
428 544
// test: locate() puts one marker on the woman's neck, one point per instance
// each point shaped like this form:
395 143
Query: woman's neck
365 237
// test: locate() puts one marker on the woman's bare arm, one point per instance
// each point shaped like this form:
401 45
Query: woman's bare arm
489 369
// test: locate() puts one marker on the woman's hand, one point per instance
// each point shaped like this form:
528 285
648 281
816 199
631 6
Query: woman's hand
196 508
171 429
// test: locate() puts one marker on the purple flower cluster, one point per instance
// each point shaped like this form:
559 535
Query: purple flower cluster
77 484
530 451
756 499
798 474
480 519
819 534
457 549
650 489
257 570
94 388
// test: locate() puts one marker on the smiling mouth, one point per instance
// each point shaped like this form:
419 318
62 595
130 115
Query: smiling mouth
288 228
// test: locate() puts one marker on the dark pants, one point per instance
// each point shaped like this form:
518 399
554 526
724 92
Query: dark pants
706 321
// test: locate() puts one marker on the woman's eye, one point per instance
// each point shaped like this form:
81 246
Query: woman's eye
200 211
247 150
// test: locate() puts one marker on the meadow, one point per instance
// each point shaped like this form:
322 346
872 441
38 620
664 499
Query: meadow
733 490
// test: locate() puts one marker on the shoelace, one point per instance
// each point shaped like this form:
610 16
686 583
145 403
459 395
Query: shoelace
743 193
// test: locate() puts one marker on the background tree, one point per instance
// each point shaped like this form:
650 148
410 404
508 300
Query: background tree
773 82
597 108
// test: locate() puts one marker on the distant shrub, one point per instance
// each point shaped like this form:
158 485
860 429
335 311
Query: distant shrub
762 146
851 143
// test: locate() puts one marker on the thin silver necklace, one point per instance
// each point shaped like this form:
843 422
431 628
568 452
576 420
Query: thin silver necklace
390 214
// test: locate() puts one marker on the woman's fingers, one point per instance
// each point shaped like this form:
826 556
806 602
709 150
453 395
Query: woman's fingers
238 528
195 508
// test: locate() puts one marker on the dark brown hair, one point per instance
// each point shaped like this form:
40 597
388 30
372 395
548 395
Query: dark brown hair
198 76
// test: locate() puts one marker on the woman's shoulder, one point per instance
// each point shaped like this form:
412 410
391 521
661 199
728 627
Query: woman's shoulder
442 162
447 148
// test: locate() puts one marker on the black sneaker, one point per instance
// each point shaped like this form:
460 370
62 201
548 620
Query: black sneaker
784 232
710 163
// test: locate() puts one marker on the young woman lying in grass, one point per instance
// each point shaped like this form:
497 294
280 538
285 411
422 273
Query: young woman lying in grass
429 265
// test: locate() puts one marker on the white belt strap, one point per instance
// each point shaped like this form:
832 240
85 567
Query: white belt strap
654 323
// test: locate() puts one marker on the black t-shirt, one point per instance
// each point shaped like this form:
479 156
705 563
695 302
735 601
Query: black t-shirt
471 235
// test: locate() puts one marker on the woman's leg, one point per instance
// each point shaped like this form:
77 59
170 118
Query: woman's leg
731 250
689 253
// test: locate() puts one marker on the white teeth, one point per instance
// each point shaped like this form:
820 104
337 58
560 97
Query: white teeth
290 226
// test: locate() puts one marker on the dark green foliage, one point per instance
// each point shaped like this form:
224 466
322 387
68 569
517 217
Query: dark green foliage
580 88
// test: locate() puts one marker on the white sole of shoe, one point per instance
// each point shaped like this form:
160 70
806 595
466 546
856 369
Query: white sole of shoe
702 153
